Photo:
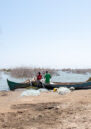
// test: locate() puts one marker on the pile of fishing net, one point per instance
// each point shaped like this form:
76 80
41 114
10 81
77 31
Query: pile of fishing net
33 92
63 90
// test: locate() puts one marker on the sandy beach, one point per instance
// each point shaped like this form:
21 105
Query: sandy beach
46 111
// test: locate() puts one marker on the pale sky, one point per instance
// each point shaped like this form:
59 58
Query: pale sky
45 33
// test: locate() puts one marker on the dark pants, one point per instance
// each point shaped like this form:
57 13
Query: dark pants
39 84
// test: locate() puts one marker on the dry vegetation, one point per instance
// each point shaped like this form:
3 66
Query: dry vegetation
79 71
30 72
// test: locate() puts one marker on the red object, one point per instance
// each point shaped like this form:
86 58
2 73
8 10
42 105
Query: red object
39 77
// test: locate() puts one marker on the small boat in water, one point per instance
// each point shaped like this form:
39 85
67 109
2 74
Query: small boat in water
14 85
77 86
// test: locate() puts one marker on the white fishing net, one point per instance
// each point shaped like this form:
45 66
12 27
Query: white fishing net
43 90
30 92
63 90
33 92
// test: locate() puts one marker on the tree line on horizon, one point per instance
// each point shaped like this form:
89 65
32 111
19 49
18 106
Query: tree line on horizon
21 72
79 71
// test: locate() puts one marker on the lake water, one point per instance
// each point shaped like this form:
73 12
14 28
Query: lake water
63 77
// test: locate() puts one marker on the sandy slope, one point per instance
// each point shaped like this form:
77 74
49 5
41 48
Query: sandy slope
47 111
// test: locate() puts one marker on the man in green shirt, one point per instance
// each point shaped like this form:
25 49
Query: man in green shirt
47 77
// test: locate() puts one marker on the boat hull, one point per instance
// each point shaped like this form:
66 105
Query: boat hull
14 85
77 86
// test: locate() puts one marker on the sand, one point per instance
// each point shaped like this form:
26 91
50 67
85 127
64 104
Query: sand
47 111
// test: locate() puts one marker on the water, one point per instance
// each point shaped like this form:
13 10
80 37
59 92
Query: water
3 81
71 77
63 77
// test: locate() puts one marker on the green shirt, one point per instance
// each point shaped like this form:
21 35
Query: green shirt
47 78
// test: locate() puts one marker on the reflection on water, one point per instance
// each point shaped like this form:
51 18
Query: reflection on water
63 77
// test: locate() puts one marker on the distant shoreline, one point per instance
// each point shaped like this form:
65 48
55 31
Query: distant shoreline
30 72
78 71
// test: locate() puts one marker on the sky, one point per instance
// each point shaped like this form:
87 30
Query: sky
45 33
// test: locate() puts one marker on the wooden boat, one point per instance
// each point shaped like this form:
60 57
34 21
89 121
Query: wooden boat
77 86
84 85
14 85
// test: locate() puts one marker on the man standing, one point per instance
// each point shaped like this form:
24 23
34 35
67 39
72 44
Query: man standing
39 77
47 77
